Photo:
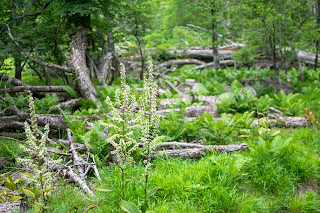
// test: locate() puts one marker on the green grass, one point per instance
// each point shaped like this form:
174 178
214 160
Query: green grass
277 174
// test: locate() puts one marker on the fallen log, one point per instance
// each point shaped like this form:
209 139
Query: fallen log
33 89
192 111
178 62
70 103
11 80
7 207
203 54
282 121
173 87
222 63
74 177
17 122
196 151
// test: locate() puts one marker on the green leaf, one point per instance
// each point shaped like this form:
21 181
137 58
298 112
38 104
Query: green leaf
27 174
153 191
105 188
15 198
9 184
275 132
17 180
49 189
129 207
2 199
91 207
29 193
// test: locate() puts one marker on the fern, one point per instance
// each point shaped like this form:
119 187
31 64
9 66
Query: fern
71 92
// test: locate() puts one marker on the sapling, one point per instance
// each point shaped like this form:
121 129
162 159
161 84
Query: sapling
39 161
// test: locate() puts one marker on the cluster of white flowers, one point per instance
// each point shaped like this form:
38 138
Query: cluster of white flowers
42 179
125 118
123 121
150 118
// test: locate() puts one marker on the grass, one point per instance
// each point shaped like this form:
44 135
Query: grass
278 174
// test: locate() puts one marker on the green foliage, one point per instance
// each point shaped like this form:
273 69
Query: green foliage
12 185
289 104
243 101
215 132
175 127
44 105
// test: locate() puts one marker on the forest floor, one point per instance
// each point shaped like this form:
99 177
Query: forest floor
278 172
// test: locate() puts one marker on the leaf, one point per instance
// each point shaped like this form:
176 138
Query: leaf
275 132
9 184
17 180
153 191
104 188
27 174
29 193
2 198
15 198
49 189
91 207
129 207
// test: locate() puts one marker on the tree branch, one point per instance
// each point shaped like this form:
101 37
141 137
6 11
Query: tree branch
55 66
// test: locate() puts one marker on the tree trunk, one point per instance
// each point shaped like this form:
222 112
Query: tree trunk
18 67
214 38
316 59
47 76
78 63
299 65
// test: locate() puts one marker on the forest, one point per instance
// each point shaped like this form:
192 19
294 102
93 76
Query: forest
144 106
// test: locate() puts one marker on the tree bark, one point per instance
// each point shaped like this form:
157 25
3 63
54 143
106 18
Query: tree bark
18 67
78 63
214 37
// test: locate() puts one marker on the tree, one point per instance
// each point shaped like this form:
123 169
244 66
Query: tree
139 17
60 35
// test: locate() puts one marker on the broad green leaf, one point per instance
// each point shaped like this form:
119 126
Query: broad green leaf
91 207
9 184
2 199
153 191
29 193
15 198
27 174
129 207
